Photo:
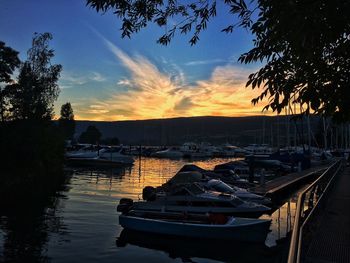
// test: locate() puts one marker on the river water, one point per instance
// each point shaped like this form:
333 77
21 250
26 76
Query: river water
81 223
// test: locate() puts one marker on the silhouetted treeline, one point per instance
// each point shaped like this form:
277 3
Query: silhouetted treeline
32 156
235 130
32 146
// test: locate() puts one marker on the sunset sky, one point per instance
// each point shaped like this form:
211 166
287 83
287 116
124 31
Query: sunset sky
106 77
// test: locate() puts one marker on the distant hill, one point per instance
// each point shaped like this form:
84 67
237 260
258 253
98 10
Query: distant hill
175 131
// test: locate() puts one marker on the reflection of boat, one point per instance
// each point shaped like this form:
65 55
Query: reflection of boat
213 226
187 248
192 198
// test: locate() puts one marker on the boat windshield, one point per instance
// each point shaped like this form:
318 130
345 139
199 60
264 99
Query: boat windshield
220 186
195 189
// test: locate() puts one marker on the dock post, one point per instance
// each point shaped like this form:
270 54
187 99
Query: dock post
262 177
251 169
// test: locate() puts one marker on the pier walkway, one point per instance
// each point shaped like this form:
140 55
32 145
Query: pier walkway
330 240
285 183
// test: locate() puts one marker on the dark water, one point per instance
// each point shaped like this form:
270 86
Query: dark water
81 224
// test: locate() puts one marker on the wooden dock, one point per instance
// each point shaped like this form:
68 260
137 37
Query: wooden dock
284 183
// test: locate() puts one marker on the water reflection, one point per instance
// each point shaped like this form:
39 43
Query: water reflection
82 222
188 249
25 230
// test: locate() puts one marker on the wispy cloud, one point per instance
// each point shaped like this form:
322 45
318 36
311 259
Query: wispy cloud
204 62
150 92
97 77
70 79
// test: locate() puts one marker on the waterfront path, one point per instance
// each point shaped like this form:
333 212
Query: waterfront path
330 241
286 182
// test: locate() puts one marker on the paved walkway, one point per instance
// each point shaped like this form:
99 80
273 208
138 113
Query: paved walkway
331 241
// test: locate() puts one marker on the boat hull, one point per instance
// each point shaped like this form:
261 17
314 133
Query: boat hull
247 230
151 206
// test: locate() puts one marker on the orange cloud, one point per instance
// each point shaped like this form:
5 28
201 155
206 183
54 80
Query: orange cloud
150 93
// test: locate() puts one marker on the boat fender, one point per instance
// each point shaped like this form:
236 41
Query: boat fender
149 193
126 201
123 208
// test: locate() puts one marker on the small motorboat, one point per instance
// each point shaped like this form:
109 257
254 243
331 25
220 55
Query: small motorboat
192 198
211 226
171 153
106 156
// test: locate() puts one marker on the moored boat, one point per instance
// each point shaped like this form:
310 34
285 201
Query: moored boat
106 156
192 198
206 226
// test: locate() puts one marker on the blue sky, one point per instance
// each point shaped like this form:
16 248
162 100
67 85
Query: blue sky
106 77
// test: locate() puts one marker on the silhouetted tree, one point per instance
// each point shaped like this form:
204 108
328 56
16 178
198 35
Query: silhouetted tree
66 121
9 61
32 150
304 45
32 97
91 135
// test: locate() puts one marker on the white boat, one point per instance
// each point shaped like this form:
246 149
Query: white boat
219 186
83 151
109 156
194 226
115 154
225 175
192 198
208 184
172 152
228 150
193 150
259 149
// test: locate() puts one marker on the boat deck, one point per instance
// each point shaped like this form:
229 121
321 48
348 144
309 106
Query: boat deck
330 242
284 183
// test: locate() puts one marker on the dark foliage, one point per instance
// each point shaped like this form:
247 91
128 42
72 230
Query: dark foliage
32 147
9 61
66 121
33 95
92 135
32 154
304 45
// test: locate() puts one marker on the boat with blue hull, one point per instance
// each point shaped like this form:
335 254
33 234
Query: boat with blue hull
206 226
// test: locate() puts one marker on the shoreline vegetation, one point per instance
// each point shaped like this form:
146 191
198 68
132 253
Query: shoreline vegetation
32 144
32 156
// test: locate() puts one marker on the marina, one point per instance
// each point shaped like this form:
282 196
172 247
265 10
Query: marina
90 199
120 142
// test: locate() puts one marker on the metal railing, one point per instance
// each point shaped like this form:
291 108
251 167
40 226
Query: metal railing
308 201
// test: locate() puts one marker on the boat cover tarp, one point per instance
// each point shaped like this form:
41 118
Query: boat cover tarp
185 178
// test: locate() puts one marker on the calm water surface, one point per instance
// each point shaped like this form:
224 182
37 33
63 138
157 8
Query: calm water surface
81 224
